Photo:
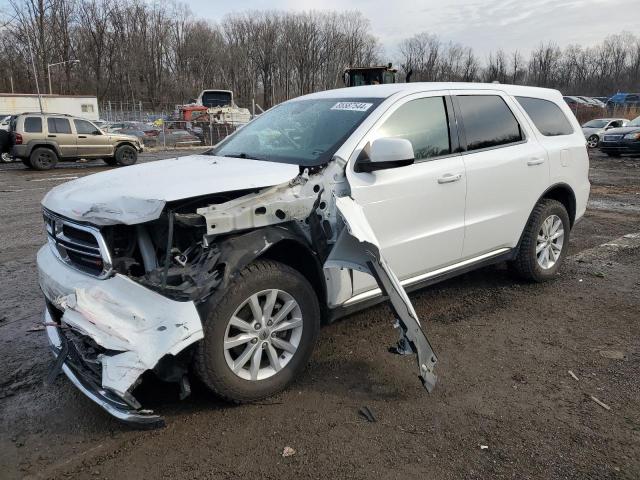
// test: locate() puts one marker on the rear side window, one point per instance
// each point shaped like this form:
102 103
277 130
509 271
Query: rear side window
424 123
58 125
488 121
33 124
546 116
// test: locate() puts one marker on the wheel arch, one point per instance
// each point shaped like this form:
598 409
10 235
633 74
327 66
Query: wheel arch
284 244
50 146
564 194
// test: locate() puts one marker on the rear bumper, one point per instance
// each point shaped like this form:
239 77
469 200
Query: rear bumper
109 401
20 151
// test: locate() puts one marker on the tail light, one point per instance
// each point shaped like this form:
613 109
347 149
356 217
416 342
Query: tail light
18 139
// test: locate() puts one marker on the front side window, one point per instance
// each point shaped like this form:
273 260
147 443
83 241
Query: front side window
84 128
58 125
549 119
33 124
424 123
301 132
488 121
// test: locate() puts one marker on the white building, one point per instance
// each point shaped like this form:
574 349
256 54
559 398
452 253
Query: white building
77 105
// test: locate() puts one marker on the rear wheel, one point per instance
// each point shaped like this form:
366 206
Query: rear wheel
126 155
259 333
592 141
26 162
544 243
43 159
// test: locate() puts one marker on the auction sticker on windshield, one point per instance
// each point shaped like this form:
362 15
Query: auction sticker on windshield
352 106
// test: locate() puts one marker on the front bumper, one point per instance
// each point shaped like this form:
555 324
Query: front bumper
135 326
620 147
107 400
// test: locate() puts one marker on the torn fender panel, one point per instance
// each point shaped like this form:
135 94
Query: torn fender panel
139 325
138 193
358 248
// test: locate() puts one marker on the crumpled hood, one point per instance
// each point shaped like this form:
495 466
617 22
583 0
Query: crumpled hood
138 193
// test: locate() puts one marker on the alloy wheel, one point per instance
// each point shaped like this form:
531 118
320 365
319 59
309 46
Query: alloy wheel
549 242
263 334
592 141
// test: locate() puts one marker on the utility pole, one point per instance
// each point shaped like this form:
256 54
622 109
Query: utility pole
35 74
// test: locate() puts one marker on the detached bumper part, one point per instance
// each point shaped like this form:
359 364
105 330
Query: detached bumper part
358 248
109 401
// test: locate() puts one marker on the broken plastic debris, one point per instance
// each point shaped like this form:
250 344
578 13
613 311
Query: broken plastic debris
484 447
288 452
601 403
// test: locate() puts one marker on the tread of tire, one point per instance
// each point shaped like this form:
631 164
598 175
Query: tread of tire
524 264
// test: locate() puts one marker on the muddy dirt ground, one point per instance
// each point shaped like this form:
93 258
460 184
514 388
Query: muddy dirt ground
505 349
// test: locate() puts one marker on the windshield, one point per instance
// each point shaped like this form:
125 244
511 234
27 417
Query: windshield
596 124
303 132
634 123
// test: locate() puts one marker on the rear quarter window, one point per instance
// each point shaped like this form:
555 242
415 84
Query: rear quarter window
546 116
33 125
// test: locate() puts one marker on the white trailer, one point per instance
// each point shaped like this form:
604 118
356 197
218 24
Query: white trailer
76 105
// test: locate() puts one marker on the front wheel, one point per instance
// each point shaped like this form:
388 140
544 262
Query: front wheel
545 241
259 333
126 155
592 141
111 161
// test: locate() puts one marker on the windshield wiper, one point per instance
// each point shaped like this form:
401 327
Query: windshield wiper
242 155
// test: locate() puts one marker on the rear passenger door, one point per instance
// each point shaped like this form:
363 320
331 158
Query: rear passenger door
60 133
417 211
507 170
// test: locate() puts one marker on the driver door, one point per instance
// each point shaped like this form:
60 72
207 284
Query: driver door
417 211
91 141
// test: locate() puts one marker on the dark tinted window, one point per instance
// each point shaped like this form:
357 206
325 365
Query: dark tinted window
488 122
33 124
216 99
58 125
424 123
546 116
84 128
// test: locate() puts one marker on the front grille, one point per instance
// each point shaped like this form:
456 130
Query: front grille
80 246
612 138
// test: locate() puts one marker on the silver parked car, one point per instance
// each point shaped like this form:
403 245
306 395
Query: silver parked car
594 129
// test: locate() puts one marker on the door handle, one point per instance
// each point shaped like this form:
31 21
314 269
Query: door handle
450 177
535 161
82 136
51 136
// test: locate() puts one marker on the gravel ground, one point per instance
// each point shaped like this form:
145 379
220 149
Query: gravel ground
505 405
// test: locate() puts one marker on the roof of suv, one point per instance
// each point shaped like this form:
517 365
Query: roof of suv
387 90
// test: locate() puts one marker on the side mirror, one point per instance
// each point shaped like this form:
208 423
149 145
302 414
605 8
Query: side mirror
385 153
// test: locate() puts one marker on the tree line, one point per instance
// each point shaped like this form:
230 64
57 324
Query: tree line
162 54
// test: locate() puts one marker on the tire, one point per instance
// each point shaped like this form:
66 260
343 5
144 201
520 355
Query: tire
43 159
213 363
592 141
110 161
26 162
126 155
529 264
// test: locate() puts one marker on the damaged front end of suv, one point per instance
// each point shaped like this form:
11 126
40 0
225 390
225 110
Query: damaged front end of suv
132 281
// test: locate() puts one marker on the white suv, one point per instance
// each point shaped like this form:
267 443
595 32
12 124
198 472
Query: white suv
224 264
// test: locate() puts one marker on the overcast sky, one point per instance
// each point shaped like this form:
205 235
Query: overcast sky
483 24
